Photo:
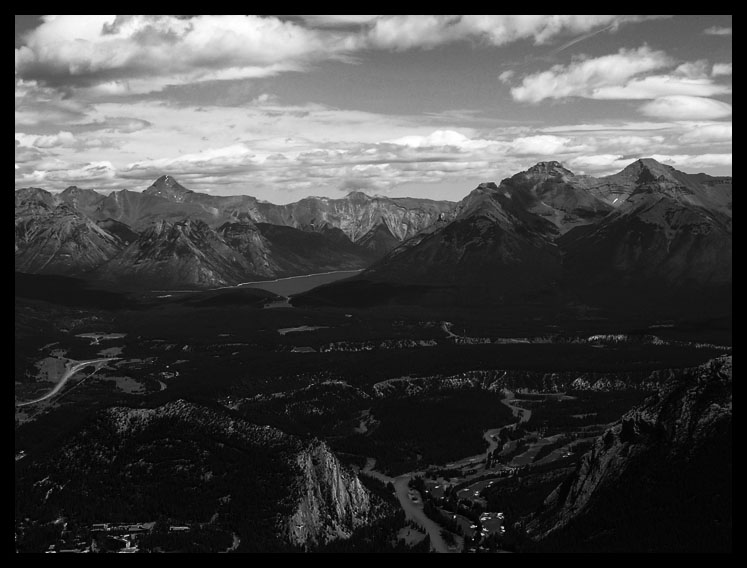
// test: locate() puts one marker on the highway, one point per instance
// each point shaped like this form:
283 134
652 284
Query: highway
69 373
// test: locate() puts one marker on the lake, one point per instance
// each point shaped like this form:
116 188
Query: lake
299 284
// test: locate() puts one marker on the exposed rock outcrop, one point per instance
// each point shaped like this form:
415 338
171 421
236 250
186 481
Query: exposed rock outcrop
658 480
332 500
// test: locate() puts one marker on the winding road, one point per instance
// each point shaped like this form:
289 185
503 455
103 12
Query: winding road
69 373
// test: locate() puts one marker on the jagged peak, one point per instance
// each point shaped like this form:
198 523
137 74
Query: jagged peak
648 167
167 181
548 168
487 185
357 194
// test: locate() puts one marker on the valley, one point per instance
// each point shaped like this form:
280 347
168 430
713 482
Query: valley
392 375
453 403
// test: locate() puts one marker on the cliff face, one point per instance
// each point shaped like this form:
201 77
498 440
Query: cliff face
658 480
332 500
198 464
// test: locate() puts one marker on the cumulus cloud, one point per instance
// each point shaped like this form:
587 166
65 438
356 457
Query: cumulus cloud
625 75
599 164
405 32
707 133
680 107
338 20
62 138
691 161
587 77
720 69
540 145
718 31
227 160
441 138
116 55
140 53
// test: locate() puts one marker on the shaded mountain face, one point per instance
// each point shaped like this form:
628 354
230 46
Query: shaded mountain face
649 176
653 238
493 247
246 239
301 252
556 194
183 254
83 200
124 232
551 236
379 240
664 469
141 210
59 240
196 464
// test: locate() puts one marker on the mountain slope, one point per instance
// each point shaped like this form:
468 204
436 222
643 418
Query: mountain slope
300 252
549 190
83 200
168 188
665 471
141 210
648 175
60 240
183 254
546 235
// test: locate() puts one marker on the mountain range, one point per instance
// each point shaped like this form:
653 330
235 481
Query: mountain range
170 236
649 235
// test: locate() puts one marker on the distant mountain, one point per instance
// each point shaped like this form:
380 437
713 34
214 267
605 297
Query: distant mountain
57 239
659 480
246 239
648 238
379 240
32 196
494 246
549 190
357 214
83 200
168 188
185 254
124 232
300 252
649 176
140 210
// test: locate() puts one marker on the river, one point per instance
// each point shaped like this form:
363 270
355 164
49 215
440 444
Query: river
414 510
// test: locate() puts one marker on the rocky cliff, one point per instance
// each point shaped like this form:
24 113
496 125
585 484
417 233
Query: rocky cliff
658 480
197 464
332 500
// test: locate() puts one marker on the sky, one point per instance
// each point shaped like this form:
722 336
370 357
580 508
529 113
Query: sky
282 107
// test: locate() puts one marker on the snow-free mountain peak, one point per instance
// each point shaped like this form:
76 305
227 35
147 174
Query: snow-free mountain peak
168 188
